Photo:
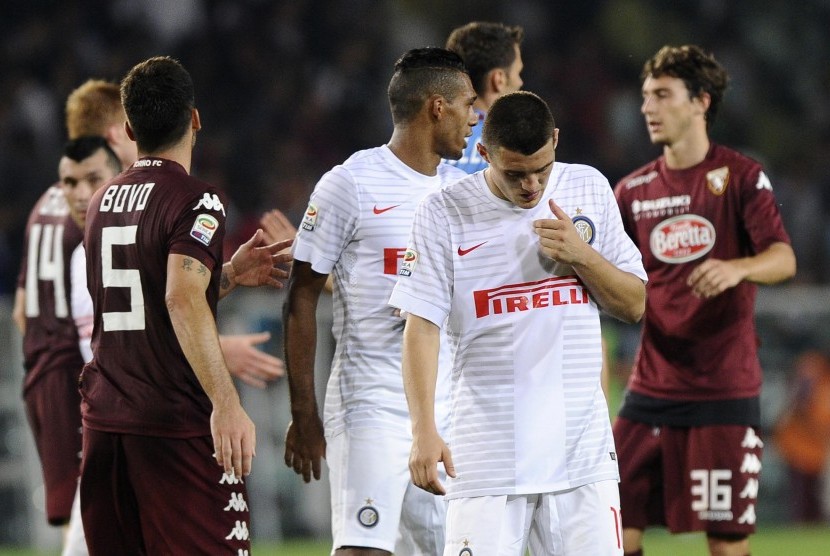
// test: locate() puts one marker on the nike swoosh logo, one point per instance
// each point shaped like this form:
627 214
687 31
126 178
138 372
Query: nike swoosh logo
462 252
377 210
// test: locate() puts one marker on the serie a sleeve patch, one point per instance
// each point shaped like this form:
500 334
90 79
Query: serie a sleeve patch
204 227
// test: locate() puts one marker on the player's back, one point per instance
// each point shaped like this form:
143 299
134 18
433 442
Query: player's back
139 379
50 341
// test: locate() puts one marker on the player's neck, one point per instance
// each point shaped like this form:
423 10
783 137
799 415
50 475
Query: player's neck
413 150
182 153
484 102
686 152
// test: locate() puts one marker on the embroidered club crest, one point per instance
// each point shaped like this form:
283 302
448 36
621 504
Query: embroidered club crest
717 180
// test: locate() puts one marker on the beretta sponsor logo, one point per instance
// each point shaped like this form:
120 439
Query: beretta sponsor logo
682 238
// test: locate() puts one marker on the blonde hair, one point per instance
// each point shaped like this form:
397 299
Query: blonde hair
92 108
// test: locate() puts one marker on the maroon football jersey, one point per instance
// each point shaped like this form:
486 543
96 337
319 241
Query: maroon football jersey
723 208
139 380
51 339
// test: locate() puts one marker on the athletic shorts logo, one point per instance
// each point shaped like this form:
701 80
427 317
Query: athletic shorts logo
717 180
368 516
204 227
410 257
309 218
585 227
682 238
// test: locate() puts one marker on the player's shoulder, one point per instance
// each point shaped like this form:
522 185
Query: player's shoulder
450 173
720 155
577 171
50 205
638 178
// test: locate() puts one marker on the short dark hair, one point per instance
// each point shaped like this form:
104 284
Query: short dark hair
420 73
81 148
485 46
520 122
698 69
158 98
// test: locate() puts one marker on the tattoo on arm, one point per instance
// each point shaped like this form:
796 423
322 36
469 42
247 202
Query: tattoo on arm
187 264
202 269
224 282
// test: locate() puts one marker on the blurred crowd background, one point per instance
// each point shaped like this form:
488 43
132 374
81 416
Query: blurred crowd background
289 88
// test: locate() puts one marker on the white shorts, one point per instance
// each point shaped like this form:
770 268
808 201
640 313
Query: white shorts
583 520
373 501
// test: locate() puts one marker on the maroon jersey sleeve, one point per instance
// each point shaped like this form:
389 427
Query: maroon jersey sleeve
139 380
51 340
698 349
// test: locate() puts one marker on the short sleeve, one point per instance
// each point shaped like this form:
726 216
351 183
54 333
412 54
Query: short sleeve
329 222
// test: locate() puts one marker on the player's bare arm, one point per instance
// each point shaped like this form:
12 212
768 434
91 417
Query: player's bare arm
305 444
420 371
714 276
19 312
256 263
233 432
620 294
252 366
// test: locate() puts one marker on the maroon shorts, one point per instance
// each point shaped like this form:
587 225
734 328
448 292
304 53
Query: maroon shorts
53 408
160 496
689 479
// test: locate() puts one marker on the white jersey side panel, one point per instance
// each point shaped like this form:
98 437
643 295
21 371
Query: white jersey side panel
356 228
529 415
81 302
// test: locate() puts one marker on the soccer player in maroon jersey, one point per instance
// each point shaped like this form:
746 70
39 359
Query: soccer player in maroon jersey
159 408
706 221
94 108
50 349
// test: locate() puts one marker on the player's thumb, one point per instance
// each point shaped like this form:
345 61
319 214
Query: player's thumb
557 211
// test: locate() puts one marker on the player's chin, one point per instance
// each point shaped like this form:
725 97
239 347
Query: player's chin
453 153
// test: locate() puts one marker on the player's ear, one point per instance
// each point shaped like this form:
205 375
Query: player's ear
196 122
482 151
497 79
555 137
129 131
436 105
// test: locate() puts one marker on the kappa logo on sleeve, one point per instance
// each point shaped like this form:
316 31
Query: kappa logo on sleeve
309 218
210 202
204 227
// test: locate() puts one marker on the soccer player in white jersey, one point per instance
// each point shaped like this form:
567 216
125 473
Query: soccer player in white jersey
356 227
519 260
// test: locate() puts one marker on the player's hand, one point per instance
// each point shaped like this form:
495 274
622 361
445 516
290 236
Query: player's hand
713 277
234 438
276 226
305 447
257 263
252 366
558 238
427 450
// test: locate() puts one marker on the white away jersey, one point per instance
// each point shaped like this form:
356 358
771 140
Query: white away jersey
528 412
81 302
356 227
